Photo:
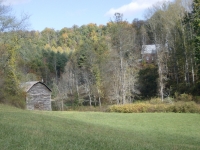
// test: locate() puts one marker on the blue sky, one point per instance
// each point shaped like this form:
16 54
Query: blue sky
58 14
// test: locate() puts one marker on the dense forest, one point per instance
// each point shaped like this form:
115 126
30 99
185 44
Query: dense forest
102 64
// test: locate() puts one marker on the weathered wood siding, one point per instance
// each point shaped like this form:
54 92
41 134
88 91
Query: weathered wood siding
38 98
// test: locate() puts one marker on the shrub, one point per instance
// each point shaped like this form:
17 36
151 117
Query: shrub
129 108
14 100
178 107
183 97
197 99
184 107
138 108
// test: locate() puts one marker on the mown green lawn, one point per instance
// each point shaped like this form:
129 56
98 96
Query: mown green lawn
38 130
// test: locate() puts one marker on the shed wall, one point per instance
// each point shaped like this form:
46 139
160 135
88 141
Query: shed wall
38 98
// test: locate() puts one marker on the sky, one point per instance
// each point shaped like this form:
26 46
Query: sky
58 14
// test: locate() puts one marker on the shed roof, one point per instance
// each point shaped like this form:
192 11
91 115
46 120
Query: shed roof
28 85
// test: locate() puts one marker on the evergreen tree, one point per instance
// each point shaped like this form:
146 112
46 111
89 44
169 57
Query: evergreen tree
196 27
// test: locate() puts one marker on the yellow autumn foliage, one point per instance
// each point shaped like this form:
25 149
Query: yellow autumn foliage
179 107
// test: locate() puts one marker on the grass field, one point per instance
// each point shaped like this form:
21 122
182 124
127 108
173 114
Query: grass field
39 130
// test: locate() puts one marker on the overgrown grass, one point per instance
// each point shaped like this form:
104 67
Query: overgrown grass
21 129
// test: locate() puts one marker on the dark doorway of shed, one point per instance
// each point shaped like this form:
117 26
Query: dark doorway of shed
39 106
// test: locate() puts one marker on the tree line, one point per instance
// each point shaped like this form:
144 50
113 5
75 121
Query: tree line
95 65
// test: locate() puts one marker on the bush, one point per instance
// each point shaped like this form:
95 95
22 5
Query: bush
138 108
197 99
184 107
178 107
183 97
14 100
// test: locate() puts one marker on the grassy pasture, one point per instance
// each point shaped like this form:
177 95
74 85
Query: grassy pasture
31 130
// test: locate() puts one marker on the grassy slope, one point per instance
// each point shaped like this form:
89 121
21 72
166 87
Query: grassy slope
20 129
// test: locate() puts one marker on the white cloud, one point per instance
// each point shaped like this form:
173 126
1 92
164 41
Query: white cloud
14 2
133 8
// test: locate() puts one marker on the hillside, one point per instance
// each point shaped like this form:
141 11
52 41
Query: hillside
115 63
21 129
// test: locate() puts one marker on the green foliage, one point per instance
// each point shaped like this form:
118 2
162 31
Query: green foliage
147 80
54 61
10 91
196 28
196 21
17 100
197 99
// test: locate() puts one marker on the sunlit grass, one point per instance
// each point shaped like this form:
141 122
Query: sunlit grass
21 129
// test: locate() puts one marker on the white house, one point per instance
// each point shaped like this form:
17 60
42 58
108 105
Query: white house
148 53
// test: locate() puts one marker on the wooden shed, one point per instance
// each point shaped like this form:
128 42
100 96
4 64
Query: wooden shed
38 95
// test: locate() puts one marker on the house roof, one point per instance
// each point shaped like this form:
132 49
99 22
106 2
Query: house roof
28 85
148 49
